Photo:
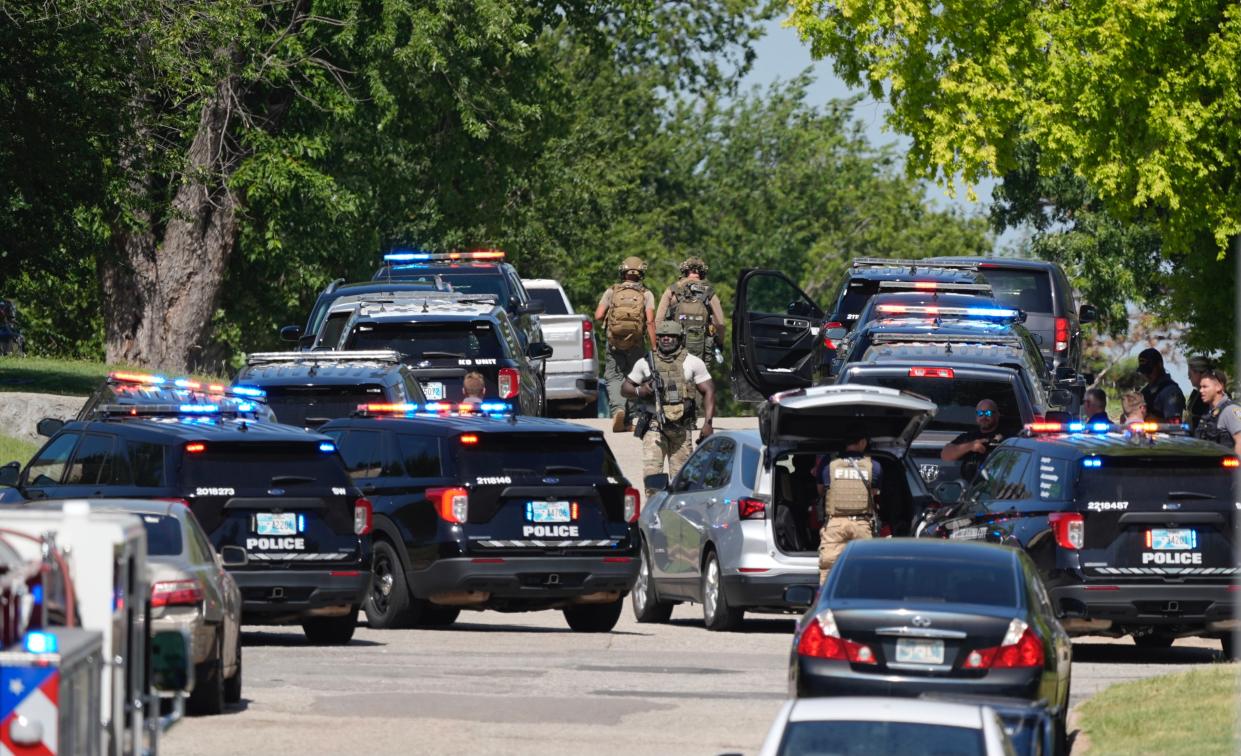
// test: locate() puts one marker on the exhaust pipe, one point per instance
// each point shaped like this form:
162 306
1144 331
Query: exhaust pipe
459 598
601 597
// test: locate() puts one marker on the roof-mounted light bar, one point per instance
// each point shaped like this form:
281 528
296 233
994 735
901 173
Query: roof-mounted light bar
935 286
943 338
420 256
410 409
1002 313
894 262
1079 427
185 384
390 356
186 410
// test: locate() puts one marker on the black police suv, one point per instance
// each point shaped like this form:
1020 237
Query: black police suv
443 339
512 514
784 339
1132 531
908 617
275 501
338 289
137 389
309 388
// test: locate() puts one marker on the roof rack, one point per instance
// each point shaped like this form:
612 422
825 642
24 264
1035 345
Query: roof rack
935 286
897 262
932 338
390 356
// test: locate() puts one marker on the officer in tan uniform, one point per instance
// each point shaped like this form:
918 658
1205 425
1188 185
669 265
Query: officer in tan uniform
852 486
684 378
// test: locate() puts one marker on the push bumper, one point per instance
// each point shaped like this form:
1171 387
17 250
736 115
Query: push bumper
826 677
758 591
279 596
1091 607
526 577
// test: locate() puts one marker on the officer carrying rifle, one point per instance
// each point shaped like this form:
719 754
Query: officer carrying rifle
668 382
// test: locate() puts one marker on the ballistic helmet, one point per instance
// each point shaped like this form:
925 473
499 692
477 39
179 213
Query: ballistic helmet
633 263
691 263
669 328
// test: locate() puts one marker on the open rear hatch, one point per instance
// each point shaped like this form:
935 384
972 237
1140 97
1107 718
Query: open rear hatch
824 418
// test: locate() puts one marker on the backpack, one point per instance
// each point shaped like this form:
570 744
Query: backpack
691 308
626 319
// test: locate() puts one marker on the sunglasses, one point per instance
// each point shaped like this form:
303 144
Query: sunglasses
985 413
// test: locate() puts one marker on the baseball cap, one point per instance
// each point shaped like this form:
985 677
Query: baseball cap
1149 357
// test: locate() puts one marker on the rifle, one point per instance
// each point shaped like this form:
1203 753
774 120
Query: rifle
658 382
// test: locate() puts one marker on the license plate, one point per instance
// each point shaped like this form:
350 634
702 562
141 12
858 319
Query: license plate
918 651
275 524
1178 539
549 511
434 391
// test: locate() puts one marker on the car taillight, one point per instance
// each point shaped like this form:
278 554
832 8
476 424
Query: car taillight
182 502
1070 529
828 343
752 509
631 505
176 593
1231 462
452 504
588 340
931 372
508 383
1062 334
821 640
362 516
1021 647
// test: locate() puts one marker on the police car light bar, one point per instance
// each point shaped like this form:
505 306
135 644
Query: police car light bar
932 338
474 254
968 312
177 410
935 286
1084 427
186 384
893 262
361 355
409 409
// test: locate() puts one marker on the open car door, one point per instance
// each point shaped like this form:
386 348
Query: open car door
828 417
776 331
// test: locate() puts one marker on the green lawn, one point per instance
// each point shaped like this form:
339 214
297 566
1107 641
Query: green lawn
1192 713
43 375
16 449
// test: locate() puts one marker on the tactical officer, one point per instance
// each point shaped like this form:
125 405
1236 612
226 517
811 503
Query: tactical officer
682 377
626 316
1196 407
972 447
1165 402
693 303
1222 422
852 487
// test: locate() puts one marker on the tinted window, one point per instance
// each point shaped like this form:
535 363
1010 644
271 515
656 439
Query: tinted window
849 738
1006 476
329 337
92 460
718 469
908 579
195 533
462 281
1029 290
146 462
430 340
421 456
311 406
363 453
691 476
535 453
852 300
253 466
49 467
551 299
1155 481
163 535
749 466
774 295
956 399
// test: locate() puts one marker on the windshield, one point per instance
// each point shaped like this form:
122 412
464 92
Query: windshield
311 406
900 579
956 399
465 280
840 738
458 340
852 300
537 454
1029 290
261 466
163 535
551 299
1155 481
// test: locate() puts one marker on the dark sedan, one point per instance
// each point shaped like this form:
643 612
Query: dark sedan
901 617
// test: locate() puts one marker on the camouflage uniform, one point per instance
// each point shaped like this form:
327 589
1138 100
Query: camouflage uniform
675 445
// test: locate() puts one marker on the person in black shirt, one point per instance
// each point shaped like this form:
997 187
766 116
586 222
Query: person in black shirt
1198 366
1165 402
972 447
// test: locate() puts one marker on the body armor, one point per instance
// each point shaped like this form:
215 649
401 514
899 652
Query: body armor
691 307
678 396
849 494
1209 428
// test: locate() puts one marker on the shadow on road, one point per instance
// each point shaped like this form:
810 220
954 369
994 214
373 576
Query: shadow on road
771 625
469 627
1120 653
293 637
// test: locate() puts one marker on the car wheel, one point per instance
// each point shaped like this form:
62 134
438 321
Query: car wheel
1153 640
389 603
331 631
716 613
645 601
594 618
1229 646
207 698
232 686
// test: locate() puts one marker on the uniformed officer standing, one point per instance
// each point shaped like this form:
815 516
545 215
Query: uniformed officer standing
1195 406
683 377
693 303
1165 402
852 483
626 316
1222 422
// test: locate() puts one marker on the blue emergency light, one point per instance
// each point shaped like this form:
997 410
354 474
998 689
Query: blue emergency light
990 312
199 409
498 408
327 447
40 642
407 256
250 391
1092 462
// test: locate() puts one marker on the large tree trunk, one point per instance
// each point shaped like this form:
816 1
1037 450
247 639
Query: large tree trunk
161 286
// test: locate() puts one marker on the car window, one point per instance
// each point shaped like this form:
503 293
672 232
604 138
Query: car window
553 301
163 535
956 399
420 456
198 552
146 464
901 578
718 469
453 340
310 406
329 335
749 466
413 389
691 475
844 737
510 336
92 461
49 466
1008 478
363 453
1029 290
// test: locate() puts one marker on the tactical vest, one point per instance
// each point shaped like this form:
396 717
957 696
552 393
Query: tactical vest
691 307
849 493
626 318
678 395
1209 428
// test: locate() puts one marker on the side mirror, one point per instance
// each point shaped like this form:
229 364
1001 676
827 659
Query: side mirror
539 350
658 482
800 307
1087 314
800 596
172 667
49 426
10 473
532 308
234 556
290 333
949 492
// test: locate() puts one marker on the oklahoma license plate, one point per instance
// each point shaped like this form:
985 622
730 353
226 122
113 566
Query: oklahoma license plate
918 651
275 524
549 511
434 391
1177 539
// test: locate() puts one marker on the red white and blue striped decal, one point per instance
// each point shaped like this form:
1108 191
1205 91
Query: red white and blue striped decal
33 693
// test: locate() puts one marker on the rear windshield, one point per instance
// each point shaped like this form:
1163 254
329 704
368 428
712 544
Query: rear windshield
163 535
957 399
464 281
552 301
852 300
430 340
260 466
311 406
923 579
1147 480
537 454
1029 290
849 738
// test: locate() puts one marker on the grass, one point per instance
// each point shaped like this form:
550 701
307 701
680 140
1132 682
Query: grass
16 449
45 375
1192 713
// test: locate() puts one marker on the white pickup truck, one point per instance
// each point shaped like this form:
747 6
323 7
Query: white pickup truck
573 368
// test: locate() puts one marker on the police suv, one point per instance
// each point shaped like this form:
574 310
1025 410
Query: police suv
474 511
275 501
1132 528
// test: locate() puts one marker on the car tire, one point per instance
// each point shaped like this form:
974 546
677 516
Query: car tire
207 698
389 604
594 618
716 613
232 686
644 597
1153 640
331 631
1228 645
